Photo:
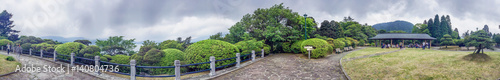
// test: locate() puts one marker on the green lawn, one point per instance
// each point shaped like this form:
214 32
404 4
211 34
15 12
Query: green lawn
424 64
7 66
368 51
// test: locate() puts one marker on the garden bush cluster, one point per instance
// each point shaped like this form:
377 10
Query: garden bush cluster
202 50
321 47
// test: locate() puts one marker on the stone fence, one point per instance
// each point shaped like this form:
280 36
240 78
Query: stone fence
133 64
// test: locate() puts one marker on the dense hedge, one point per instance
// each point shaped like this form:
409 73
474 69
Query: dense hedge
246 47
347 42
121 59
321 47
168 60
338 44
90 51
68 48
152 57
202 50
267 49
107 56
142 51
296 47
26 45
354 42
287 47
171 44
4 42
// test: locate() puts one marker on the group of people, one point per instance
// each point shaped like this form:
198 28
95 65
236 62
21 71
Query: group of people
423 45
15 49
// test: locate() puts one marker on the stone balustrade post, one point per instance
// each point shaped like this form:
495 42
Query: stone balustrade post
96 60
54 55
253 55
262 53
212 66
72 59
177 65
132 69
238 59
30 51
41 53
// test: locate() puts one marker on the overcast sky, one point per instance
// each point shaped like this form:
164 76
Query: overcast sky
161 20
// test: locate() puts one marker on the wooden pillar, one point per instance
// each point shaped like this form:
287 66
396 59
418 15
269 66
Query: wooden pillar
430 44
391 43
403 43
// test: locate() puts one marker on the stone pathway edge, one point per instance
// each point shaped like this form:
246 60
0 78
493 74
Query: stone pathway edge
242 66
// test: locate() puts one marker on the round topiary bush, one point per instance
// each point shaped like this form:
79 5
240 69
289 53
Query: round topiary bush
107 56
296 46
338 44
321 47
4 42
68 48
202 50
152 57
168 60
104 59
90 51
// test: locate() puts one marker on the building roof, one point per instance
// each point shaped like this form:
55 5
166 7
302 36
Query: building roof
403 36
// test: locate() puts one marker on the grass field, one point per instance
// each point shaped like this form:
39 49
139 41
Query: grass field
368 51
7 66
423 64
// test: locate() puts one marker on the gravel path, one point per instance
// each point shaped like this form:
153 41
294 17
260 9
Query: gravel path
290 67
25 60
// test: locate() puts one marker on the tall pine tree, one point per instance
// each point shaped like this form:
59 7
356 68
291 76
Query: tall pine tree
6 26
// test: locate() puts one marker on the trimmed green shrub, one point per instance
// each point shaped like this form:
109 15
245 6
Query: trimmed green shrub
202 50
246 47
68 48
103 59
354 42
171 44
347 42
338 44
107 56
362 43
321 47
10 58
286 47
90 51
296 46
26 45
44 46
168 60
4 42
152 57
142 51
121 59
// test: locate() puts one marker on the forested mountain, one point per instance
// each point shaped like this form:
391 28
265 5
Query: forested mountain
395 26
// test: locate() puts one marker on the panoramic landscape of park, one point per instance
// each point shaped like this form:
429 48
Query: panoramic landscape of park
249 40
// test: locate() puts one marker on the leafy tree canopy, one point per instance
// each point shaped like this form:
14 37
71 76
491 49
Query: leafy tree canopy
116 44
